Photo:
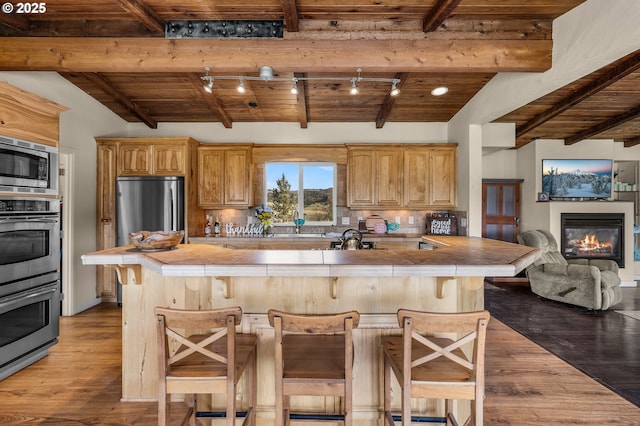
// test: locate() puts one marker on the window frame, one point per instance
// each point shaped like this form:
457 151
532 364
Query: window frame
300 206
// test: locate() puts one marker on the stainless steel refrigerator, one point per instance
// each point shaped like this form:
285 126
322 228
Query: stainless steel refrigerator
148 203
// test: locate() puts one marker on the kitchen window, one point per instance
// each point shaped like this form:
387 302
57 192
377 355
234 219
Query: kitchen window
308 187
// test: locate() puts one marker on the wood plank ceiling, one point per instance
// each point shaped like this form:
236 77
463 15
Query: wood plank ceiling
126 54
602 105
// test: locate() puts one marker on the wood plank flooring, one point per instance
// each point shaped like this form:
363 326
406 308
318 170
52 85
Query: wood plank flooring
79 383
603 344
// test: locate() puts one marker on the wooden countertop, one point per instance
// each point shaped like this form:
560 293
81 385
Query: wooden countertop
452 256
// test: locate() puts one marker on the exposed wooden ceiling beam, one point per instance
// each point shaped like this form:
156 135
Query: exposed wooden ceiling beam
438 14
97 54
632 142
14 21
604 126
627 67
290 11
301 101
106 86
387 105
212 101
144 13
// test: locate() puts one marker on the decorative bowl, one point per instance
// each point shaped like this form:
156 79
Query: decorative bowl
155 240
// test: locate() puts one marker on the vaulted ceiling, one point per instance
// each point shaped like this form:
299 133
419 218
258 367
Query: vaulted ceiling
145 59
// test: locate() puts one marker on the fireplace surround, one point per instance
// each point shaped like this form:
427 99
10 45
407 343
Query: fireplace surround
593 236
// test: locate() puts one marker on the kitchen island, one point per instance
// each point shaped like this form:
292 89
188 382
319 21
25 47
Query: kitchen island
448 278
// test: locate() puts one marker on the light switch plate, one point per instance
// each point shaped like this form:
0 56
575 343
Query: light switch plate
345 220
411 220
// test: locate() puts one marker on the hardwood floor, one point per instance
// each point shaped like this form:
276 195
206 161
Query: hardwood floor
79 383
603 344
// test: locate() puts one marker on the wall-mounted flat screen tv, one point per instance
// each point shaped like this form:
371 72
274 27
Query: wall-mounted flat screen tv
577 178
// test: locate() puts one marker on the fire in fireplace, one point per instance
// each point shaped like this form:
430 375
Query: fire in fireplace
593 236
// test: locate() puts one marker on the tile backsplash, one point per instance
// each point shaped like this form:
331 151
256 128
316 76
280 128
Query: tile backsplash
403 217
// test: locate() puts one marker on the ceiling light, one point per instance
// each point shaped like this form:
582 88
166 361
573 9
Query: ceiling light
209 86
266 74
394 89
439 91
241 88
354 88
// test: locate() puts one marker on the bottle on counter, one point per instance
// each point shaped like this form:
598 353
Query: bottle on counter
207 227
216 227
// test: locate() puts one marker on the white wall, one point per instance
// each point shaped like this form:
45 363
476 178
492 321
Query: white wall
291 133
85 119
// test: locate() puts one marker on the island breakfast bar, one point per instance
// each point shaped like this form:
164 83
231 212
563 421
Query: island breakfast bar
448 278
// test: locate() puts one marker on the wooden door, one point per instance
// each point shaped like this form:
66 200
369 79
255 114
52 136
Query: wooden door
501 209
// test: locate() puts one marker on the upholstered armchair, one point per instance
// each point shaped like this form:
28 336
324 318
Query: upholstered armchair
591 283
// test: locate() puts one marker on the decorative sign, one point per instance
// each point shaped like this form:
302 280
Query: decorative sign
442 225
248 229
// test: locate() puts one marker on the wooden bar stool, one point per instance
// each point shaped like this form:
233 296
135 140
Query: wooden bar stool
207 363
436 367
313 356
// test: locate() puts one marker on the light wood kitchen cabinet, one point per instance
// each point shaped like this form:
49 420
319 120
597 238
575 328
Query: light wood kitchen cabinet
149 158
430 176
140 157
106 210
401 176
224 178
374 177
442 177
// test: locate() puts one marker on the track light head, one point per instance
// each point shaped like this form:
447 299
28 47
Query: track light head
241 88
354 88
394 89
209 86
294 88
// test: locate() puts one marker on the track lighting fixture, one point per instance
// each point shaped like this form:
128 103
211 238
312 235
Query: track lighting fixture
266 74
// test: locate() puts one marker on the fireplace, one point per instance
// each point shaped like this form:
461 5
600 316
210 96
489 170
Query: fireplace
593 236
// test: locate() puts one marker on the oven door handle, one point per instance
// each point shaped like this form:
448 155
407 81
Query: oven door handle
33 219
27 295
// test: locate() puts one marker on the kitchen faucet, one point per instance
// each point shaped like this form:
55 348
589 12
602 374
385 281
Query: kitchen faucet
296 221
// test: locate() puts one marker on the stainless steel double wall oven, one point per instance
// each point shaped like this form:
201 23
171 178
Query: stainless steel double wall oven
29 254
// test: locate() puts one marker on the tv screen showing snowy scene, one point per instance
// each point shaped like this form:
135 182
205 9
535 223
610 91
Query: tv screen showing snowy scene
574 178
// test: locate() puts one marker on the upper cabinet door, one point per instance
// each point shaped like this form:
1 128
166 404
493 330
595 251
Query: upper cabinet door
237 183
134 160
224 176
416 178
169 159
361 178
442 177
210 176
388 172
